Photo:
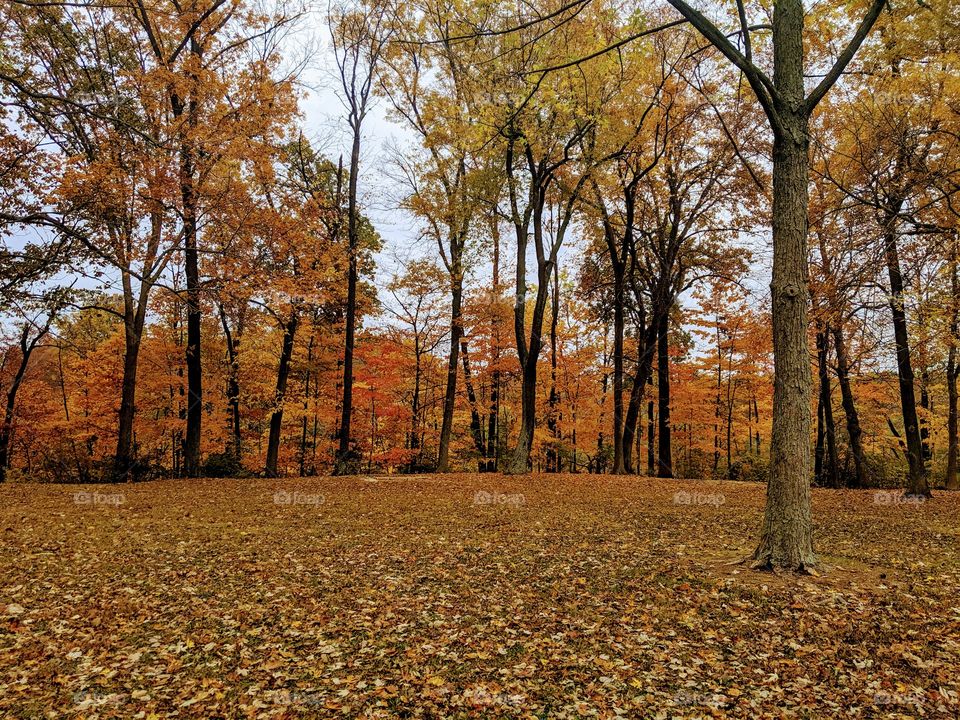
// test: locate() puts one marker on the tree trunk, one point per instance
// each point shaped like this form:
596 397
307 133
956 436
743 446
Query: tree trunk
951 482
917 471
344 463
276 418
665 451
828 472
128 390
854 433
27 347
232 337
651 435
453 359
787 539
476 426
634 407
191 258
553 451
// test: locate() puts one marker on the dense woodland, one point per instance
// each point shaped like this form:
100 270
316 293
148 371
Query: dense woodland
193 282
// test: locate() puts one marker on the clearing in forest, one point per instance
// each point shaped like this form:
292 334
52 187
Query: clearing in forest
468 596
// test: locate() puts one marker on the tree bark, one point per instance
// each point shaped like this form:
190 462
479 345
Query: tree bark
344 464
453 359
664 449
786 539
27 346
951 482
827 471
276 418
190 202
917 471
854 433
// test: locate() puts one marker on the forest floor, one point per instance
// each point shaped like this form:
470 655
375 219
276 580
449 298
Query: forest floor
469 596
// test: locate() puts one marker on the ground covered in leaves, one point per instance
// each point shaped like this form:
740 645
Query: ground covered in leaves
468 596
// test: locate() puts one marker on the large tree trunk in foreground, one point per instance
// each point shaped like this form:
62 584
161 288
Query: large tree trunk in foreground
128 390
787 539
635 405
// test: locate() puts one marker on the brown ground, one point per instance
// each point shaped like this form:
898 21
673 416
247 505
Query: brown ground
548 597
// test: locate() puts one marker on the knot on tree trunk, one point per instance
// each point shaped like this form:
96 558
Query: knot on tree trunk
790 291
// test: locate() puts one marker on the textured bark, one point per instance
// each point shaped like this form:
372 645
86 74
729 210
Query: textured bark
641 379
476 424
651 436
787 537
191 258
232 336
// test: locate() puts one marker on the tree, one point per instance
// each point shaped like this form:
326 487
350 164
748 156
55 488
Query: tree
787 539
360 35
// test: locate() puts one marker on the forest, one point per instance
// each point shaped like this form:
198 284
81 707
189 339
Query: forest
194 284
475 358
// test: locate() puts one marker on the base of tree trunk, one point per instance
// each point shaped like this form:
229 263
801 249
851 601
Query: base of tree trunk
518 463
792 558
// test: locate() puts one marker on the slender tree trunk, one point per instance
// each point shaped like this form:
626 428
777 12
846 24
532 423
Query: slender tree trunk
344 462
493 441
276 418
828 474
27 346
951 482
854 433
453 359
190 201
665 451
232 337
651 435
917 477
307 377
619 463
476 426
553 451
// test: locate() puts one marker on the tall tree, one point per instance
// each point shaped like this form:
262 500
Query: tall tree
360 35
787 537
